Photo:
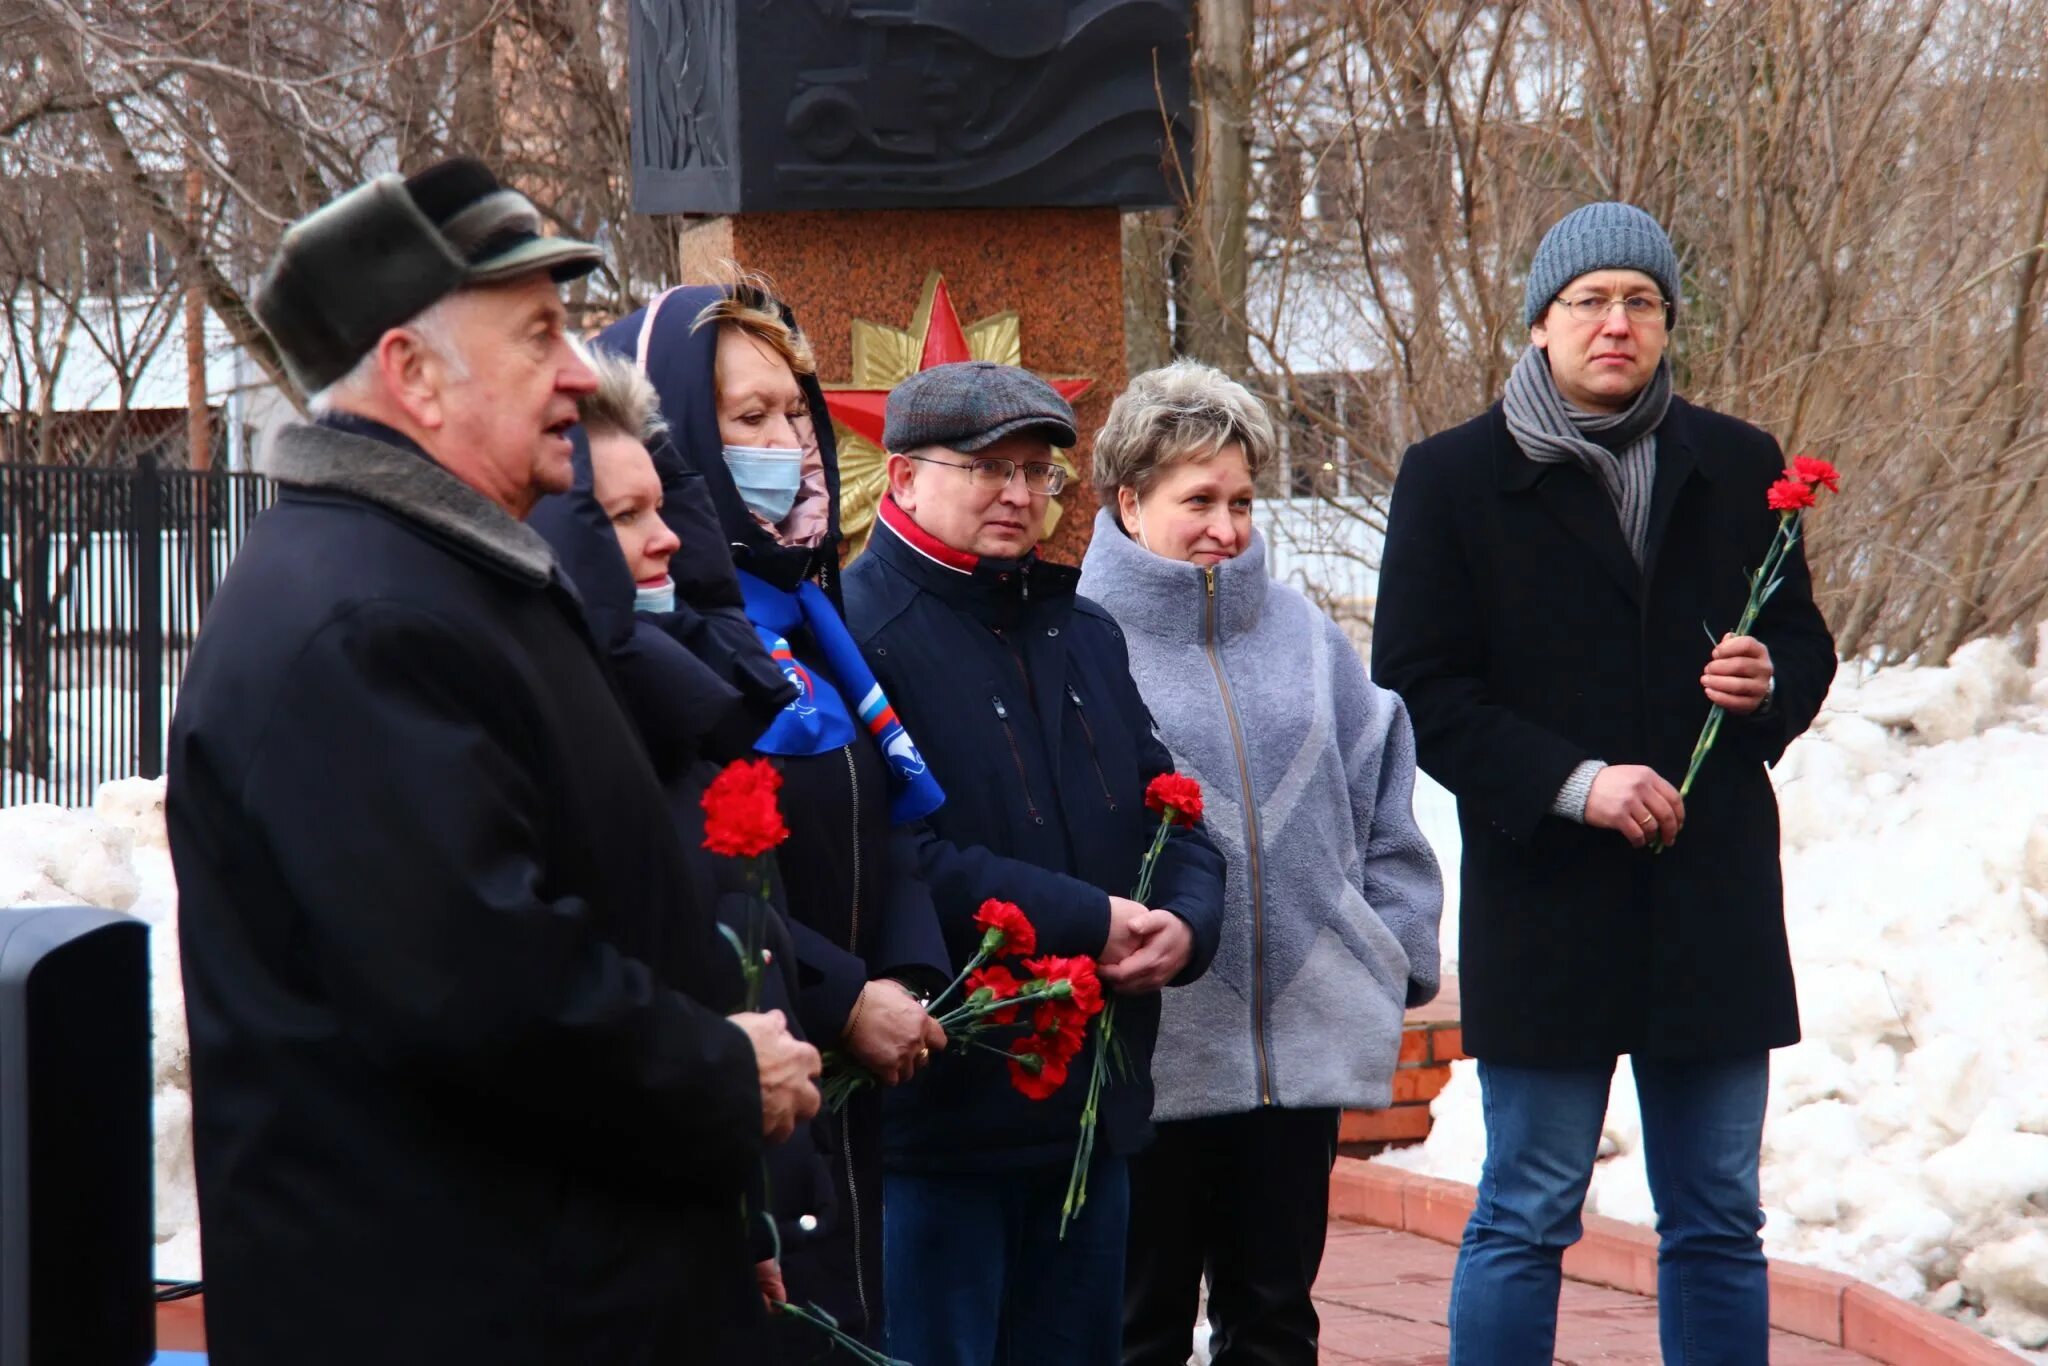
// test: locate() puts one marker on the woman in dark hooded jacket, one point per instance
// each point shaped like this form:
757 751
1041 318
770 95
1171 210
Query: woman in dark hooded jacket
739 387
694 706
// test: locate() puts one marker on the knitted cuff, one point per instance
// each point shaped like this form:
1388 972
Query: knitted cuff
1570 801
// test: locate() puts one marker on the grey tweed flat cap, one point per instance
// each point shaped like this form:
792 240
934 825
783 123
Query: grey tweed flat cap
970 404
1604 236
384 252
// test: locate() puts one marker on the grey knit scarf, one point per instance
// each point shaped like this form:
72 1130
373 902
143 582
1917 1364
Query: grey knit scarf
1618 449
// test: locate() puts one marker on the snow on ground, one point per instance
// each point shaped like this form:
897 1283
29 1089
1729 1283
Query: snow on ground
116 856
1907 1136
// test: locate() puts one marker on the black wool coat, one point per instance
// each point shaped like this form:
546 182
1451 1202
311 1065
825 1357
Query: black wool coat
1517 626
462 1088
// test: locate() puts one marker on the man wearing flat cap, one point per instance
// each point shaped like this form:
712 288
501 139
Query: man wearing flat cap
471 1078
1559 576
1021 697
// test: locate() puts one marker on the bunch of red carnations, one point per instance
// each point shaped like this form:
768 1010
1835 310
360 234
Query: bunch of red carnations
1041 1003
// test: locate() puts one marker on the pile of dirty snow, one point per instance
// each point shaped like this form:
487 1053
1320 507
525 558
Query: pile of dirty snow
116 856
1907 1138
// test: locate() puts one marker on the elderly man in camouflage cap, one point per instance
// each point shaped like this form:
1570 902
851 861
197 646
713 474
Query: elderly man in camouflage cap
1020 694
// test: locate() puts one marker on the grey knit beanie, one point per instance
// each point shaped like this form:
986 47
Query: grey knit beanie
1605 236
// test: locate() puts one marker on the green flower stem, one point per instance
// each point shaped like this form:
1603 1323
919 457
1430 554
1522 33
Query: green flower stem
1761 585
971 1010
1144 887
842 1080
991 940
1084 1151
1105 1035
838 1336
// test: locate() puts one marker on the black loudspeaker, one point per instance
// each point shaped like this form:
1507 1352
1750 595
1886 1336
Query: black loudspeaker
77 1217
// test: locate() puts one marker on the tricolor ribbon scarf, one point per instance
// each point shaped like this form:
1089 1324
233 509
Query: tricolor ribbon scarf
818 720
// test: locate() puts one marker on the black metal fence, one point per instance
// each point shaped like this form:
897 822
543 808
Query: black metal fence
104 576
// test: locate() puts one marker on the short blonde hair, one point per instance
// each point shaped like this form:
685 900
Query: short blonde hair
750 306
624 401
1180 412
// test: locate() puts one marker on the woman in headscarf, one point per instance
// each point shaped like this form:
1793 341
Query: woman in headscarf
738 384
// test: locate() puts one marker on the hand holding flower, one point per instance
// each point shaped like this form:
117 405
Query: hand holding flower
1124 917
1164 945
889 1033
1635 802
787 1067
1738 675
768 1278
1156 946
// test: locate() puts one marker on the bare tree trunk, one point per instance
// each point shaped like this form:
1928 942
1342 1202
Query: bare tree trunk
1148 267
1211 310
198 429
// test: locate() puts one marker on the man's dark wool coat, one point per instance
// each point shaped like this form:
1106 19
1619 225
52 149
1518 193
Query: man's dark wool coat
462 1087
1020 695
1517 626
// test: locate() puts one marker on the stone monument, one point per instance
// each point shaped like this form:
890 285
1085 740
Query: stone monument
892 162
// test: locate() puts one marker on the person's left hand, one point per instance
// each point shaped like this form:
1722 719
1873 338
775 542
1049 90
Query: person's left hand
1164 943
1738 676
768 1278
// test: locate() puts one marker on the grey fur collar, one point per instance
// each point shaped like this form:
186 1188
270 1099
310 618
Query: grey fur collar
308 456
1167 598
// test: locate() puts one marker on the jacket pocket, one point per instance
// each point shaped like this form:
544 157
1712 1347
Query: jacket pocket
1377 948
1094 750
1003 719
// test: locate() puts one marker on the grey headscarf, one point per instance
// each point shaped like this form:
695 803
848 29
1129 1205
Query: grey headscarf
1618 449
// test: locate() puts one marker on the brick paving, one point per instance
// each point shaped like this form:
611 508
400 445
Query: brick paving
1384 1297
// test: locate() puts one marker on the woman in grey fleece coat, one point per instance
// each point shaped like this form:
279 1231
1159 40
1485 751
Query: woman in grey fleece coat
1330 930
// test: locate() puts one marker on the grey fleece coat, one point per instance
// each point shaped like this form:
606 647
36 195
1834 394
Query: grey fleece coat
1308 778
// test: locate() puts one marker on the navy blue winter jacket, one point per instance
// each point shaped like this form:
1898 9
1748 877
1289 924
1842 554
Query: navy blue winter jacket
1020 695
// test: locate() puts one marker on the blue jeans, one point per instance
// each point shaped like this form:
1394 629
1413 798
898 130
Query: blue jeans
975 1274
1702 1131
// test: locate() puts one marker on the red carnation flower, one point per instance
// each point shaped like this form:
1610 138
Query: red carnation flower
1815 471
1084 987
1087 986
1000 984
1061 1033
1180 795
1005 917
1034 1074
1790 495
741 816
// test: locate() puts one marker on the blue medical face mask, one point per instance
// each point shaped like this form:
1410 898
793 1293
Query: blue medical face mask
655 597
768 479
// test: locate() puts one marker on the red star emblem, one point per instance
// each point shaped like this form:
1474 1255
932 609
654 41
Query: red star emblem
884 357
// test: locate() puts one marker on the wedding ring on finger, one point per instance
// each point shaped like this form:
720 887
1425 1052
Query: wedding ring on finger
924 1055
1647 821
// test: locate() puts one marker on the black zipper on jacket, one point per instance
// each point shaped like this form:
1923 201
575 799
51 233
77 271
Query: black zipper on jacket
1017 757
1251 839
1094 754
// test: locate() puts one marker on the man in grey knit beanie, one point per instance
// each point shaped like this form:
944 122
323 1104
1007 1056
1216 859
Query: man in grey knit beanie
1549 567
